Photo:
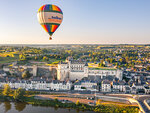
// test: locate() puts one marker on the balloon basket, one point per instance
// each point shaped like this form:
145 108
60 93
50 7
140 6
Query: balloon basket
50 38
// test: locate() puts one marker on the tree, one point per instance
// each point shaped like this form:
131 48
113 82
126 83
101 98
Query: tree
35 57
83 106
26 74
56 99
77 102
116 64
7 90
96 59
148 68
19 94
111 60
22 57
45 58
101 64
121 60
98 102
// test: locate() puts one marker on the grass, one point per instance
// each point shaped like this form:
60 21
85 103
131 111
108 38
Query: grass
10 54
8 59
116 103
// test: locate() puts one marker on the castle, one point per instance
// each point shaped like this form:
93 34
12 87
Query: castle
75 69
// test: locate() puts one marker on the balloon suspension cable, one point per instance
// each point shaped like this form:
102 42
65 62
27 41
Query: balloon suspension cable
50 38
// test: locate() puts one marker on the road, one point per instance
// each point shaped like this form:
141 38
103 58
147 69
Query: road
141 102
139 98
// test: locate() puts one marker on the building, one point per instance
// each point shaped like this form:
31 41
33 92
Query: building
106 86
147 89
38 85
127 89
58 85
2 73
76 69
86 86
118 85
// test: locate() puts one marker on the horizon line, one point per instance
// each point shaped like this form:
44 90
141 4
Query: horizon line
78 44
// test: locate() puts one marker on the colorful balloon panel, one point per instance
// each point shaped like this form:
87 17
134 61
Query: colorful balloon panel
50 17
50 28
48 8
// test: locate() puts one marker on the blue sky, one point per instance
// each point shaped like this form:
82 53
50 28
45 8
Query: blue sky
85 21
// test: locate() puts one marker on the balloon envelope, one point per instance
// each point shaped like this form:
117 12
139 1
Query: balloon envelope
50 17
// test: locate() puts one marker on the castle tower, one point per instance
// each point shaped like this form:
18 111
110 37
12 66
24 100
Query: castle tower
34 70
119 74
62 71
86 70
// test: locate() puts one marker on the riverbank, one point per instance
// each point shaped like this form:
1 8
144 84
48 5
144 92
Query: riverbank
101 108
74 98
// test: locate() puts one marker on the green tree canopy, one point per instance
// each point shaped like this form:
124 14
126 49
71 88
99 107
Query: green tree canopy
77 102
26 74
7 90
148 68
19 94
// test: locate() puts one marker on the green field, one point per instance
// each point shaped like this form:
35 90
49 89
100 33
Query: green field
8 59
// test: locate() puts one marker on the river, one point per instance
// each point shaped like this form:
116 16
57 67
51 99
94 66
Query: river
9 107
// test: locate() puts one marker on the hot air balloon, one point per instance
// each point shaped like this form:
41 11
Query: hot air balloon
50 17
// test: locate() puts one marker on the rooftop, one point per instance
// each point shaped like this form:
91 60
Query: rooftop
101 68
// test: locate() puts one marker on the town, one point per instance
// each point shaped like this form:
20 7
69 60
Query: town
122 69
77 75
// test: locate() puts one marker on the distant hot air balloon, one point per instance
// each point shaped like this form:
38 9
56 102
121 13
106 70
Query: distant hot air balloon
50 17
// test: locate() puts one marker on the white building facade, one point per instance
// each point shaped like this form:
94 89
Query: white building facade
106 86
38 85
86 86
74 70
120 86
55 85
